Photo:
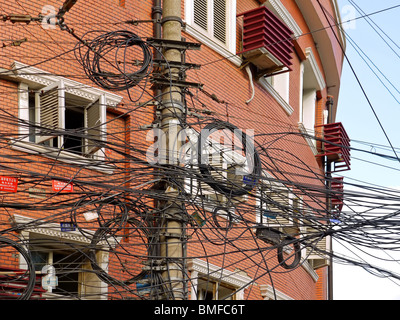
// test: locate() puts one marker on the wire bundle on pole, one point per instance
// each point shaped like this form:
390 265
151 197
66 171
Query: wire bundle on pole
105 59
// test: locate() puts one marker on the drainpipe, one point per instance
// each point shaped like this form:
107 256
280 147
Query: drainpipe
328 179
155 249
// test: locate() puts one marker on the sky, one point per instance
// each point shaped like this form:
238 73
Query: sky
369 109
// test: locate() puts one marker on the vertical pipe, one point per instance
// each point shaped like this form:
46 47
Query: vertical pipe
328 179
154 248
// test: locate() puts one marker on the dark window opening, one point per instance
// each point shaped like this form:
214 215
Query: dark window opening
74 123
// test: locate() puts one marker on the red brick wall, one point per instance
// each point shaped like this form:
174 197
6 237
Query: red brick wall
229 83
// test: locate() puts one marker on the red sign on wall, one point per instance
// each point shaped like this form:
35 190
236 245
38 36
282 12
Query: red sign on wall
8 184
62 186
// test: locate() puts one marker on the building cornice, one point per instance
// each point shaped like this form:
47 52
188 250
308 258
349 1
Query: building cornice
38 78
53 230
283 13
268 292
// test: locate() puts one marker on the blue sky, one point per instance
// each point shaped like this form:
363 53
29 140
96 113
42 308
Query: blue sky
363 122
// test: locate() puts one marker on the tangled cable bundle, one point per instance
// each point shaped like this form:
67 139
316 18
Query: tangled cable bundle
17 284
106 58
242 200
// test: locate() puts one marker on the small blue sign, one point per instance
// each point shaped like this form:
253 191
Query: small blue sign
67 226
249 180
268 214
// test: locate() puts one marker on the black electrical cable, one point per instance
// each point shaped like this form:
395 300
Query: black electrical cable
10 280
288 240
95 57
107 234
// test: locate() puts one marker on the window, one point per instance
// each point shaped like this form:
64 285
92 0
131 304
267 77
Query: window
212 290
213 22
311 81
67 264
281 83
278 87
211 17
277 207
59 116
211 282
63 120
317 249
67 253
308 109
227 168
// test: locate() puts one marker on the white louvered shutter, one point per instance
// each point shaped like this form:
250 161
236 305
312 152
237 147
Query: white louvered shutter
95 122
200 13
50 112
277 208
317 249
219 20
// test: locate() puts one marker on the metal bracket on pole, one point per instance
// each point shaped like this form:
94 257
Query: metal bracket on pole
173 44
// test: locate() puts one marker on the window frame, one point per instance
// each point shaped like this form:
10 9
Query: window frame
284 197
311 81
58 120
200 269
31 78
204 284
50 230
48 252
227 50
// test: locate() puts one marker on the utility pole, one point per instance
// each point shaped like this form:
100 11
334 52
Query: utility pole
173 230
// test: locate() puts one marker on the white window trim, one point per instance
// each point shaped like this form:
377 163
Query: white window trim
320 85
62 156
235 279
279 9
228 51
314 67
270 89
34 77
310 141
268 293
37 77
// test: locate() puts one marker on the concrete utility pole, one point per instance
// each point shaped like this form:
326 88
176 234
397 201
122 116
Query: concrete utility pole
173 231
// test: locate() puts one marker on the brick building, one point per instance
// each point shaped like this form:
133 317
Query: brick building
83 205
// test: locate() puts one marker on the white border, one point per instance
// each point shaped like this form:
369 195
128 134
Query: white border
267 87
